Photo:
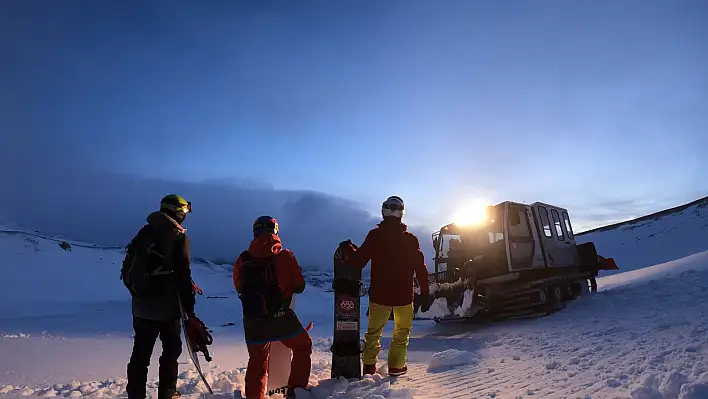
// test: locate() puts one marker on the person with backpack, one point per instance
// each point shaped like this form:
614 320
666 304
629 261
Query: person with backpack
395 257
266 276
156 271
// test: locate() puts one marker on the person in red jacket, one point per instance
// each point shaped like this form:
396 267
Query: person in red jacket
266 276
395 257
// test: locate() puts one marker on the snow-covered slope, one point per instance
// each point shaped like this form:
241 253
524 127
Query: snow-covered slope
644 335
656 238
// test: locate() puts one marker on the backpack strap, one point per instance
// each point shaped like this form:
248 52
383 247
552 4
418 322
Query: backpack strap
143 260
166 267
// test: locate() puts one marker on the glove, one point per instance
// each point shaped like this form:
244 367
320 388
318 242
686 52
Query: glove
425 301
348 249
199 336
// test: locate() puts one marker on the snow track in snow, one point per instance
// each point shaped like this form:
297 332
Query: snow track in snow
645 340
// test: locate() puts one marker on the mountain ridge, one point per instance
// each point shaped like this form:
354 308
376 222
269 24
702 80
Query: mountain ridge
701 202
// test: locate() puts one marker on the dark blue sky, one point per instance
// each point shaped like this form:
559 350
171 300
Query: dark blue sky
599 106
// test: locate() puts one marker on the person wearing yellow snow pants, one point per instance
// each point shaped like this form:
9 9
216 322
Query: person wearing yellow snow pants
395 257
402 323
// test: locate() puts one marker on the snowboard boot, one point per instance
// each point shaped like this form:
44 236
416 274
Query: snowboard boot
395 372
369 369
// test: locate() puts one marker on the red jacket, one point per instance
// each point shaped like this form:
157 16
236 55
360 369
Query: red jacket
287 270
290 281
395 257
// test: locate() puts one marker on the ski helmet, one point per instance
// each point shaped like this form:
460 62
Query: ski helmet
175 204
265 225
393 207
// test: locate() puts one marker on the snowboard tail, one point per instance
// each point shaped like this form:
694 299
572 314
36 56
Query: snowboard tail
346 343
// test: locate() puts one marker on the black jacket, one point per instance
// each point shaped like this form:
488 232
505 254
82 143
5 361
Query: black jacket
173 242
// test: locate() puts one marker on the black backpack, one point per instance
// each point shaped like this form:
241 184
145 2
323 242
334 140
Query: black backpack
144 267
260 296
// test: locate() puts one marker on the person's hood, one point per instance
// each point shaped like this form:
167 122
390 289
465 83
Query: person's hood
161 220
265 245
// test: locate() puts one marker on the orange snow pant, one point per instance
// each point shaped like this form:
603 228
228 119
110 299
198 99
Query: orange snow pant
301 345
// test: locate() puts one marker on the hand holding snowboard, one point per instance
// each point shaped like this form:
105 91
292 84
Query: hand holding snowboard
348 249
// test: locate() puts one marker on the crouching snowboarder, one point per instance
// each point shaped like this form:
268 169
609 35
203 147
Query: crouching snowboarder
266 276
156 270
395 257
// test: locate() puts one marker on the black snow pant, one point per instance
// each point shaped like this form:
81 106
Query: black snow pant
146 333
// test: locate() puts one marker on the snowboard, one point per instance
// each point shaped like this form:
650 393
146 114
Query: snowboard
279 359
346 343
190 351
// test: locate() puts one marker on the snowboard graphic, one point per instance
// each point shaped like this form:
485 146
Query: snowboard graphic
279 364
346 342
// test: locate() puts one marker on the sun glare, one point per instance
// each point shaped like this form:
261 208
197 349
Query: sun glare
473 213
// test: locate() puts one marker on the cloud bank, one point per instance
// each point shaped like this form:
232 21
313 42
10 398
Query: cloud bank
108 209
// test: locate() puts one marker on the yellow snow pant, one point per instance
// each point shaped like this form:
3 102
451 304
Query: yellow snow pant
402 323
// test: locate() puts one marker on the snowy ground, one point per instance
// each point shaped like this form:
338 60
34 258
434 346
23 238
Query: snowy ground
65 330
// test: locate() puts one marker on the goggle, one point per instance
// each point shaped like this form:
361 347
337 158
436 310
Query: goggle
393 207
186 209
266 226
183 208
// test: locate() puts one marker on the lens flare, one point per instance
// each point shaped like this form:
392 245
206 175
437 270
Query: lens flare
472 213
